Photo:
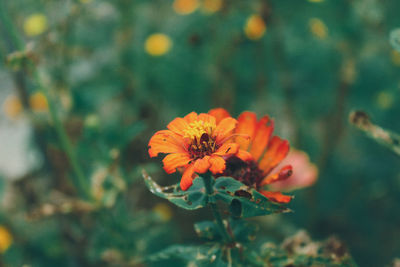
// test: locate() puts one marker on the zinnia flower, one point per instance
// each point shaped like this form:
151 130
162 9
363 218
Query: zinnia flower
197 143
306 172
267 151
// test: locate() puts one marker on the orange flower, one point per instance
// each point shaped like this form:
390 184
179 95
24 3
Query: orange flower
266 152
197 143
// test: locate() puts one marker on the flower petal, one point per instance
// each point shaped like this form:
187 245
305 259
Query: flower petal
202 165
217 164
244 155
227 149
207 118
224 129
247 123
219 114
192 116
187 178
166 141
175 160
276 152
178 125
262 136
276 196
283 174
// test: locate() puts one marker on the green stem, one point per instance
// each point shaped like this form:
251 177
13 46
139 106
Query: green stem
207 178
9 27
79 179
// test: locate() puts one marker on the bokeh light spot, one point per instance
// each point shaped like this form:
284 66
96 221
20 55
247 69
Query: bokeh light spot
35 24
6 239
12 107
211 6
158 44
185 7
318 28
255 27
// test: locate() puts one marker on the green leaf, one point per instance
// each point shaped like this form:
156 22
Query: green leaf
193 198
244 202
243 231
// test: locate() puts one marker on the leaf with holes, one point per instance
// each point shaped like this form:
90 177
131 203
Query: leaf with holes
193 198
244 202
241 230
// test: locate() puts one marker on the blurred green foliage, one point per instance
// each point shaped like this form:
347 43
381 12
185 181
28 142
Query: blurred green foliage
315 62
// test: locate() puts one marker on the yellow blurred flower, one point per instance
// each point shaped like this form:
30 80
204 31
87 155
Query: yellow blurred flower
6 239
255 27
86 1
164 211
385 99
12 107
211 6
185 7
38 102
35 24
316 1
396 57
318 28
158 44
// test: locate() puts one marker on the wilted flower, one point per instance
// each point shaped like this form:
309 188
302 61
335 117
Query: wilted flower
266 152
197 143
306 173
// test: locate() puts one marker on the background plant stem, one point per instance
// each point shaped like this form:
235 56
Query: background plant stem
79 179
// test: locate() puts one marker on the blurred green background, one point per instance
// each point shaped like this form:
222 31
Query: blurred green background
117 71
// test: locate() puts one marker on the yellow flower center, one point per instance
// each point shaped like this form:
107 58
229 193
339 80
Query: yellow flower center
202 142
197 128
